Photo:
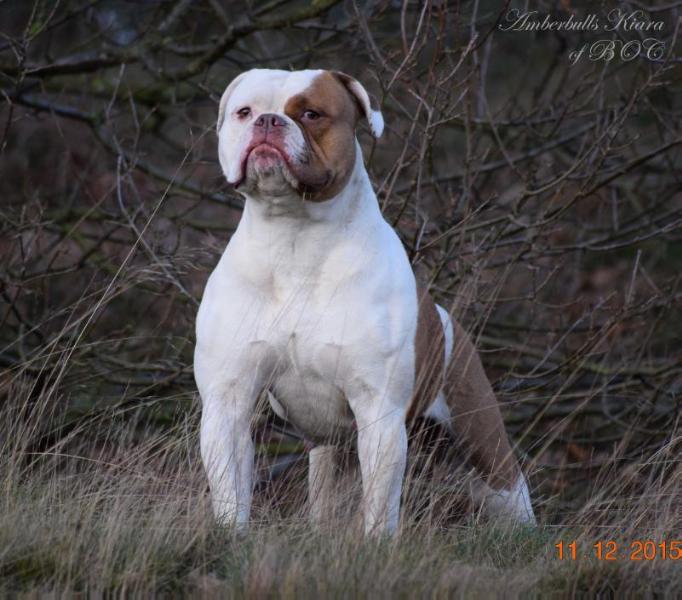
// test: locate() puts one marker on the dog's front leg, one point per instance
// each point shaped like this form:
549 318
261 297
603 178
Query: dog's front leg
227 451
382 450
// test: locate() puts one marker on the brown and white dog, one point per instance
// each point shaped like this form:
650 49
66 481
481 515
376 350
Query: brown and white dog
314 303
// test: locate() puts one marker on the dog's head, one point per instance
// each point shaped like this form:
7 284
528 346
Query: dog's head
292 131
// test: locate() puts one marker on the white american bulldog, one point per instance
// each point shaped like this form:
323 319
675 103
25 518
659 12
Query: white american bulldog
314 303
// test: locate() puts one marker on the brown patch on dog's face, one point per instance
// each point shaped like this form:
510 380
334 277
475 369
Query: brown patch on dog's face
327 114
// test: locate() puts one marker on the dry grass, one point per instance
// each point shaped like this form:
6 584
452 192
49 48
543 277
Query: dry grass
128 513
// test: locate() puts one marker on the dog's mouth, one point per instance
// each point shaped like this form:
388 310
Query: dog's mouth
265 151
262 159
263 156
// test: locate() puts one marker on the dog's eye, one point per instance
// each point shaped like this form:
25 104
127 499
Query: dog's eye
311 115
242 113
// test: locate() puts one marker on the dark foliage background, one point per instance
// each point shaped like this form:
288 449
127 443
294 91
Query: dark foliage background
542 200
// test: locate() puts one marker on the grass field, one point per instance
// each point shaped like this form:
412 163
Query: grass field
128 513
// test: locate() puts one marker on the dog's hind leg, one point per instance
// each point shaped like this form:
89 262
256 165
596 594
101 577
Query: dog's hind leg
477 424
322 482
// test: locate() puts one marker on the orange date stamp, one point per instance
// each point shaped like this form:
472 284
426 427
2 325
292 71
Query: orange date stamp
637 550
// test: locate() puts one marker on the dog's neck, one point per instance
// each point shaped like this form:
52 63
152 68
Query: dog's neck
287 240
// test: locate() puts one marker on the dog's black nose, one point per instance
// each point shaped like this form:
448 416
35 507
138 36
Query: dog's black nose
268 120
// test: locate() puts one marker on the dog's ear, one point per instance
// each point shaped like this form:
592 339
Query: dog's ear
358 91
225 97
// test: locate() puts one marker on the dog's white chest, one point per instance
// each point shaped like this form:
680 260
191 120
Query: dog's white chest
317 301
312 345
318 322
